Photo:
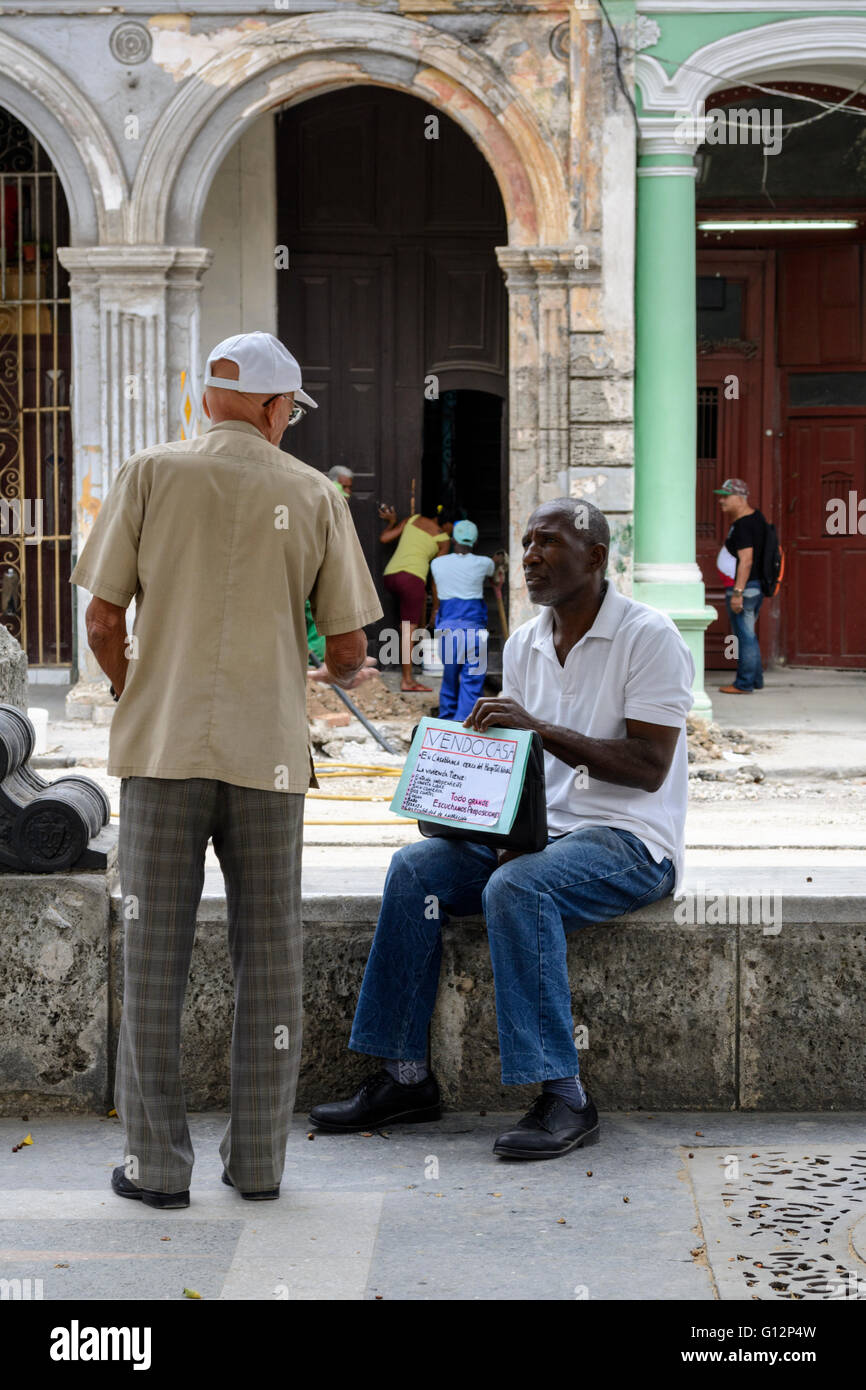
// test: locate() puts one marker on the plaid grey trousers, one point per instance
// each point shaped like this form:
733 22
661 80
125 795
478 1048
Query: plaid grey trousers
257 835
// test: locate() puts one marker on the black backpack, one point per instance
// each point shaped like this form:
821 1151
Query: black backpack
772 563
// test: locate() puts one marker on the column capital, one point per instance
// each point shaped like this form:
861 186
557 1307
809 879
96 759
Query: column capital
527 266
144 265
676 135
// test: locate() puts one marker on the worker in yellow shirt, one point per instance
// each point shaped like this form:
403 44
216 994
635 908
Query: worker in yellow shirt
421 539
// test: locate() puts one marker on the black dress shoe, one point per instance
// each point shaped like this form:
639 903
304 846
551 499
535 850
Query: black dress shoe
549 1128
164 1200
268 1194
380 1100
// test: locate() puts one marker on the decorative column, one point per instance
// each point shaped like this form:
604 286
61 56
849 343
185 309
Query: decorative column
134 316
666 574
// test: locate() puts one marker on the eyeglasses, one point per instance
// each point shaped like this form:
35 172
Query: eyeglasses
298 411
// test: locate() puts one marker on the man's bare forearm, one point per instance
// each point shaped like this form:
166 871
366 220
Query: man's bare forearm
108 646
628 762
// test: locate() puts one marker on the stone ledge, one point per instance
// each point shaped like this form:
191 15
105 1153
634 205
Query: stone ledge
707 1017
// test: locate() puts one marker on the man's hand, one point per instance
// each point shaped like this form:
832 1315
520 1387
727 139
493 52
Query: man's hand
736 603
324 677
499 712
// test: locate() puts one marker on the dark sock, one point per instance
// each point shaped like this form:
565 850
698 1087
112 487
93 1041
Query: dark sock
407 1073
569 1089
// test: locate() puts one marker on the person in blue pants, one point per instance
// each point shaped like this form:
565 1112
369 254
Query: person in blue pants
461 618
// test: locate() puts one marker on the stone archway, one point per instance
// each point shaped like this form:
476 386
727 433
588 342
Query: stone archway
95 187
826 48
829 48
74 137
268 67
312 54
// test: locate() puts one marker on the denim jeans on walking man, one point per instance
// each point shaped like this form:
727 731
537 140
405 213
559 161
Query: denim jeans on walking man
750 675
530 905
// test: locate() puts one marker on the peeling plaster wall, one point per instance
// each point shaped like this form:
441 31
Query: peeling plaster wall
536 87
239 291
602 458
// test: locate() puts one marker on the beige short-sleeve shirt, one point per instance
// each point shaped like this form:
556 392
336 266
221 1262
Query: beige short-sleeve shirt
220 539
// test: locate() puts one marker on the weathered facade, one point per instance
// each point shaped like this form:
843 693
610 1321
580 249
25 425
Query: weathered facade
780 390
161 128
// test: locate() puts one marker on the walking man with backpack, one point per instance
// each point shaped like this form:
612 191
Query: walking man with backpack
745 542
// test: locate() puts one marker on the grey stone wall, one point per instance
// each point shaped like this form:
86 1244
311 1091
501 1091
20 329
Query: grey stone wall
13 671
54 1032
677 1017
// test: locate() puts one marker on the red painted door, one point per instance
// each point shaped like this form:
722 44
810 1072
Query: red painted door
732 340
824 595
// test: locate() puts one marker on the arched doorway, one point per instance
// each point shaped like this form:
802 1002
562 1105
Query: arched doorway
35 427
781 284
395 304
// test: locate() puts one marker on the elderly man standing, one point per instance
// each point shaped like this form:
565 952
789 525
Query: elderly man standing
219 539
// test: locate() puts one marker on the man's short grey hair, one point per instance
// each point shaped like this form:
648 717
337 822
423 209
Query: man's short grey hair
586 517
338 471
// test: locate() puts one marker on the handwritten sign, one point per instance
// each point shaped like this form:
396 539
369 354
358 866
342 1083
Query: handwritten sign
462 778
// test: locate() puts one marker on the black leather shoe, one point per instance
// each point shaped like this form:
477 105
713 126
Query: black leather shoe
549 1128
380 1100
268 1194
164 1200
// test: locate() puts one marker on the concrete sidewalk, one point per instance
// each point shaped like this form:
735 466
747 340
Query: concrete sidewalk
813 722
675 1206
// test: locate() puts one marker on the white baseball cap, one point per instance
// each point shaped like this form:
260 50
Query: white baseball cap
264 366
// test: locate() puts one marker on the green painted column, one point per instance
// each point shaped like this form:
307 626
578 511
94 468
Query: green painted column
666 574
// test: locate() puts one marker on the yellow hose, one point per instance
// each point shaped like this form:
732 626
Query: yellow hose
342 796
410 820
330 770
367 769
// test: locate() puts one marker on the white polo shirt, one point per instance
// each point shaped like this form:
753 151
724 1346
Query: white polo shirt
631 664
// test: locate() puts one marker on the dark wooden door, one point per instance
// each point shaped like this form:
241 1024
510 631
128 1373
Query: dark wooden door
336 313
825 585
392 289
732 341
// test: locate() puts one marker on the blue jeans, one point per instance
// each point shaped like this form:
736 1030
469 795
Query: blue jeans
750 675
530 904
464 651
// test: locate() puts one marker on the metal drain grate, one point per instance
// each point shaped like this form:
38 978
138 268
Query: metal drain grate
778 1222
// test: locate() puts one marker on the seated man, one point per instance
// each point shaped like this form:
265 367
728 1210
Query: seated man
606 682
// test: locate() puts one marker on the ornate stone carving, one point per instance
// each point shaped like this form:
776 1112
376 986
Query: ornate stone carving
646 32
46 827
130 43
560 41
